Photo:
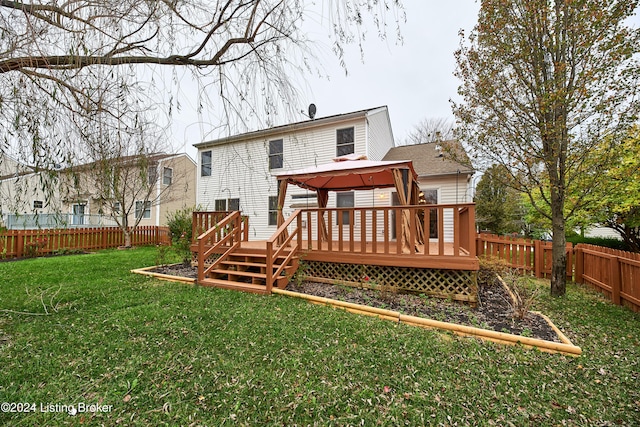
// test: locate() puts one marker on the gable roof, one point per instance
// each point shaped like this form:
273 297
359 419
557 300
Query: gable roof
303 125
429 159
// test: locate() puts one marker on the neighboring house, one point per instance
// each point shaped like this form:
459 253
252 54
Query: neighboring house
23 191
236 173
73 197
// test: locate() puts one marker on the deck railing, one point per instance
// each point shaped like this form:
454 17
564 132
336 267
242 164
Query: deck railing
281 240
203 221
226 234
438 230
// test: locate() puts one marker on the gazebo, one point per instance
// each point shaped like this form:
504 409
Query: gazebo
353 173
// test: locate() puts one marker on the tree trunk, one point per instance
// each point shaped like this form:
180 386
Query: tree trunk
127 237
558 249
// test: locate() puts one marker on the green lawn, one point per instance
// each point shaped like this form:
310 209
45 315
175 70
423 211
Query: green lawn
160 353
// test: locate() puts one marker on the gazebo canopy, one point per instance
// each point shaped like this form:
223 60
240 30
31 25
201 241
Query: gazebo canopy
352 173
349 174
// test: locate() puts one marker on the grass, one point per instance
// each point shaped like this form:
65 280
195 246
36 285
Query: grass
162 353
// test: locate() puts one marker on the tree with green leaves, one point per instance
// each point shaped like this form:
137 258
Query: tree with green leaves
543 83
617 203
497 204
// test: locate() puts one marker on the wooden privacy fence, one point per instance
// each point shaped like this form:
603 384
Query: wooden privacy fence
530 256
21 243
615 273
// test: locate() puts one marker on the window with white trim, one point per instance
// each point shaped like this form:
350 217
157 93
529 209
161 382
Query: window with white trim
344 200
273 210
143 209
345 141
167 176
276 154
205 163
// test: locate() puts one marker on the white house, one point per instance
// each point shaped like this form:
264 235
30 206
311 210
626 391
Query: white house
236 173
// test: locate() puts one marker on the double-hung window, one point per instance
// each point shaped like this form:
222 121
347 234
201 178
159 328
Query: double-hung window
344 200
143 209
276 154
205 163
273 210
345 142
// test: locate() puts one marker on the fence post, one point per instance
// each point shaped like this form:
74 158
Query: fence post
20 244
569 252
579 271
614 264
538 258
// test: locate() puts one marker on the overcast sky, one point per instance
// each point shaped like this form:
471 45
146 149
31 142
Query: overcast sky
414 79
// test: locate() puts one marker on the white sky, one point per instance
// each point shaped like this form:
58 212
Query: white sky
414 79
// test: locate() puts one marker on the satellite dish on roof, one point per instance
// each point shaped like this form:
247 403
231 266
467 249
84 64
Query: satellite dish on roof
312 111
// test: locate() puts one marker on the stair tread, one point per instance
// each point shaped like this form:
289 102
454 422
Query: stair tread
228 284
239 273
255 254
243 263
243 273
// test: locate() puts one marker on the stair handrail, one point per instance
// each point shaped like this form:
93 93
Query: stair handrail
232 219
278 236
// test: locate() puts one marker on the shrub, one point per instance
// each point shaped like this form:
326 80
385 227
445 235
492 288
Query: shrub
180 227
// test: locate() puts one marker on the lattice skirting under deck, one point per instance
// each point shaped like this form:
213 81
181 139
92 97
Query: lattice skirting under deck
207 262
459 285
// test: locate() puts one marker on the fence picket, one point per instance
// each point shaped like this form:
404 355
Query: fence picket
18 243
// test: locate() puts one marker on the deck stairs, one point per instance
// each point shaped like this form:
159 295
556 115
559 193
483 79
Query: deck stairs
245 269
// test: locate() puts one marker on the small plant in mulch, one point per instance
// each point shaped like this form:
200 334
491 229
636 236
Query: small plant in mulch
523 295
162 255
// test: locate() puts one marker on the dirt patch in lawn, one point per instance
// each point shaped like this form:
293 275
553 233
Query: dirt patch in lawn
493 311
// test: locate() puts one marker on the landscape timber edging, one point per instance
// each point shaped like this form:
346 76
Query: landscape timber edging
566 347
146 272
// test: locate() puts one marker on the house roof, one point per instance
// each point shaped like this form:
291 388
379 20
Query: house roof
430 159
345 175
303 125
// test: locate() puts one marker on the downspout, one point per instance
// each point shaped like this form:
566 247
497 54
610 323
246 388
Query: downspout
158 191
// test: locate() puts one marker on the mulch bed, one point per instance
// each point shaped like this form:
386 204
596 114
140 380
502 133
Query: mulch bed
492 312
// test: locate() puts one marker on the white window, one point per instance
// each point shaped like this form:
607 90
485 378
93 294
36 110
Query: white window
345 141
153 174
344 200
220 205
78 214
167 176
143 209
276 156
37 204
205 163
233 204
273 210
116 207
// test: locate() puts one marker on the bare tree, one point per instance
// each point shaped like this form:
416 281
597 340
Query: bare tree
64 60
431 130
